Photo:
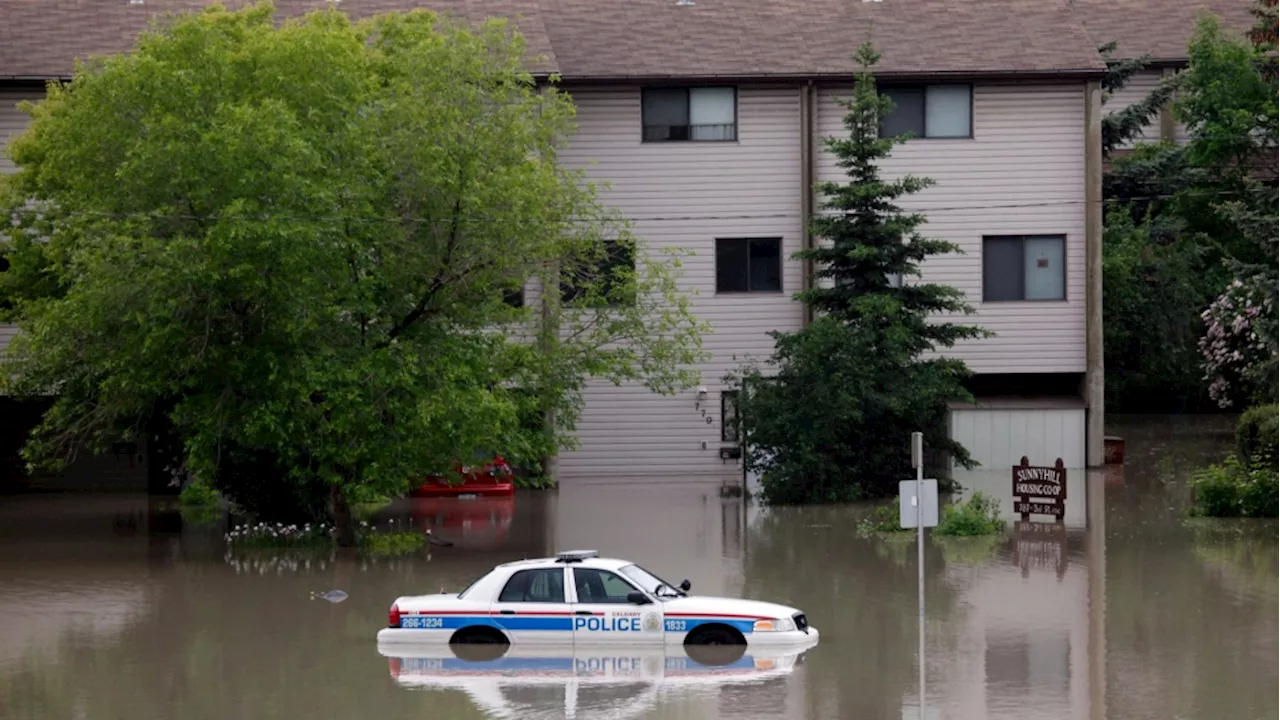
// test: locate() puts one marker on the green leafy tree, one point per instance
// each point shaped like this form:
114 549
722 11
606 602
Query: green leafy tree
293 244
1151 304
829 417
1231 110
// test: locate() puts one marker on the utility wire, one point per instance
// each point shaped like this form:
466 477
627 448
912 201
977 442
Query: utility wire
264 217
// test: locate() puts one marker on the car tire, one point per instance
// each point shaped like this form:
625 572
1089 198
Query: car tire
715 635
478 636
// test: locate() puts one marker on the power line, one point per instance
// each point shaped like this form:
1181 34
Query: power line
265 217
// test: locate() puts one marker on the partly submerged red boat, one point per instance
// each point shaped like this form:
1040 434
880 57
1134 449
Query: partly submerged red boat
493 479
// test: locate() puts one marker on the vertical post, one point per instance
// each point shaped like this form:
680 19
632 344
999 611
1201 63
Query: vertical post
1095 386
917 459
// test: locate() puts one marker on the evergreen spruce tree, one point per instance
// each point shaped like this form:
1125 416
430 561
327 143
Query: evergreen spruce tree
829 416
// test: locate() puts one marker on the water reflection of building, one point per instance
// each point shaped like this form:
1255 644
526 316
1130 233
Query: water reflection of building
1031 642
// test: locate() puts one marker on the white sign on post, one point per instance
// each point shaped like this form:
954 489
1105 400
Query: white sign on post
910 506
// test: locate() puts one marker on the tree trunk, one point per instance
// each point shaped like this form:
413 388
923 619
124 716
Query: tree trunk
342 521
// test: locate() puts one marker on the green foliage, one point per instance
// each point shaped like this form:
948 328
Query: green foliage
392 543
1151 315
301 258
1236 488
882 521
828 418
1124 125
979 515
1258 434
198 494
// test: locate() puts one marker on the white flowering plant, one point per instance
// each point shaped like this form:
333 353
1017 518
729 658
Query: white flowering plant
1239 343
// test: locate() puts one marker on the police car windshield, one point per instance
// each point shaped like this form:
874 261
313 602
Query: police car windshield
650 582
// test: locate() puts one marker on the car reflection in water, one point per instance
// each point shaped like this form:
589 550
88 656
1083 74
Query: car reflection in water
481 523
512 681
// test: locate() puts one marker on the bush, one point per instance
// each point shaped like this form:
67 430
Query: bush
198 494
1258 434
979 516
882 521
1235 488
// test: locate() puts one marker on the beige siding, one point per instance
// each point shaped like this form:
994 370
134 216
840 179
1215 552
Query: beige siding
12 122
1021 173
1139 86
688 194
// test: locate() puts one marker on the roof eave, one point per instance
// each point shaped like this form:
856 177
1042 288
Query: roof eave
1092 73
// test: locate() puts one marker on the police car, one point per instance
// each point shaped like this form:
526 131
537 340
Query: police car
577 598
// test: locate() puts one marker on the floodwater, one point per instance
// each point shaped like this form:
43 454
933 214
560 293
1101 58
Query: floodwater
111 608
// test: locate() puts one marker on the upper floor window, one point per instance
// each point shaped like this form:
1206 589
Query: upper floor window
748 265
929 111
701 113
1024 267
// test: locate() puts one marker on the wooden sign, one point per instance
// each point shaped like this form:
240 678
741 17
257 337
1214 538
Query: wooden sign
1039 490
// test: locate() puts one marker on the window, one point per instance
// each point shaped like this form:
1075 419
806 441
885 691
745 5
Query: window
748 265
728 415
599 276
600 586
698 114
514 296
544 585
1024 267
931 111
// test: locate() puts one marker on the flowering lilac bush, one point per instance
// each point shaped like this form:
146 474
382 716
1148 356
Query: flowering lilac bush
1239 343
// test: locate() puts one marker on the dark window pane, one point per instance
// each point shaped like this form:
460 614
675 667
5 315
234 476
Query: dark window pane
600 586
907 114
766 265
600 273
1002 269
732 265
665 114
534 586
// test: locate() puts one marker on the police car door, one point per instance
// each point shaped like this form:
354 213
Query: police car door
533 607
603 611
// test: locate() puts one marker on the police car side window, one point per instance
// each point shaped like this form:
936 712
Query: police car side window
543 585
600 586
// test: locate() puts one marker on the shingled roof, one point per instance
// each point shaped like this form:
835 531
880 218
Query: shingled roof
618 39
1158 28
649 39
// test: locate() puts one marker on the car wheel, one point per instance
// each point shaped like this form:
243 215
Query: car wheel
478 636
716 635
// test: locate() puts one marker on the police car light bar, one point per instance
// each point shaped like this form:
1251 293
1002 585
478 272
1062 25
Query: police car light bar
569 556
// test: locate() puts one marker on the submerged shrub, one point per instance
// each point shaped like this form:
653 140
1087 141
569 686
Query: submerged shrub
882 521
980 515
199 494
1258 434
1235 488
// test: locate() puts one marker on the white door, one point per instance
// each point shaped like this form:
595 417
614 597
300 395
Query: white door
604 611
532 607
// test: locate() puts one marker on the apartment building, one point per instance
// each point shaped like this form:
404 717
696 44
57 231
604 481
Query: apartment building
708 118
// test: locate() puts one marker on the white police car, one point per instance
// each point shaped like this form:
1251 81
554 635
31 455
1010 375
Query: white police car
579 597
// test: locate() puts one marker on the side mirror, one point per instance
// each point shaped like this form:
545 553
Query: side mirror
638 598
685 585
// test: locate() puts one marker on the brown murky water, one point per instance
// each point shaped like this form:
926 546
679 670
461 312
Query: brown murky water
108 610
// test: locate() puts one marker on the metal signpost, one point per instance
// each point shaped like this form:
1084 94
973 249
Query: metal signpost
918 508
